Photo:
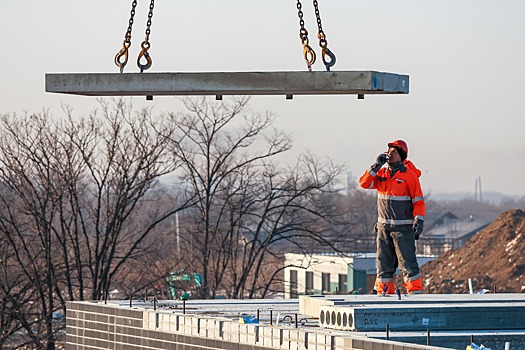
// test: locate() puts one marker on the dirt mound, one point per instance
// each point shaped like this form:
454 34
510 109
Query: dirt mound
494 259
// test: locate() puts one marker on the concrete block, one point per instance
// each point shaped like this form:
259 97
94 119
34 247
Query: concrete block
231 331
205 327
148 320
218 330
419 317
206 323
303 340
324 341
295 339
71 340
226 331
186 324
278 337
199 341
195 326
164 322
311 340
252 332
258 331
343 343
172 322
228 83
244 334
265 336
311 304
285 339
234 346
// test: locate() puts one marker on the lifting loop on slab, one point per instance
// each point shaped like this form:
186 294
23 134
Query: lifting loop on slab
121 58
146 44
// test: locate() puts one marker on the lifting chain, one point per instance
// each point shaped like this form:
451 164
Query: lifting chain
145 44
325 51
121 58
309 54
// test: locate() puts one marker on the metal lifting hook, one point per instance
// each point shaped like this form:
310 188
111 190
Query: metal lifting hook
144 53
309 56
308 52
326 52
123 53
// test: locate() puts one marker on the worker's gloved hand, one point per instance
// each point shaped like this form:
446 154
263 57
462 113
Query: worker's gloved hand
380 161
418 227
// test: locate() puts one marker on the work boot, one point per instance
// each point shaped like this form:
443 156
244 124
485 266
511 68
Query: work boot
390 287
414 287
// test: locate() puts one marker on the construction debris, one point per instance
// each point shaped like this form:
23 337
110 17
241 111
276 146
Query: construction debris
493 259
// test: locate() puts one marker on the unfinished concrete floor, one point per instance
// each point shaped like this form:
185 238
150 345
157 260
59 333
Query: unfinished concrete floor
448 321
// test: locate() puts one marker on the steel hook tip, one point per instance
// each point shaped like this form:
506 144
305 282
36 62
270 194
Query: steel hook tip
123 53
330 54
309 55
143 67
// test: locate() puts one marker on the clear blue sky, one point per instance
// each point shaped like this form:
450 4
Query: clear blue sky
464 116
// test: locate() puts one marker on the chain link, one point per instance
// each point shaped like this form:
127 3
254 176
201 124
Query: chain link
146 44
323 43
308 52
150 16
123 53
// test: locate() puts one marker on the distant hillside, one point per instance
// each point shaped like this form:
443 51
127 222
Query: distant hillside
489 196
494 257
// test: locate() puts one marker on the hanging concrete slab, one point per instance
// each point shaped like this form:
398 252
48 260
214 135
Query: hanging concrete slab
228 83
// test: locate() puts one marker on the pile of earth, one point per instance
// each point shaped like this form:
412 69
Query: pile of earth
494 259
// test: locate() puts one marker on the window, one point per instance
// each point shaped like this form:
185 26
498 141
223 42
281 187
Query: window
309 287
293 284
326 283
342 284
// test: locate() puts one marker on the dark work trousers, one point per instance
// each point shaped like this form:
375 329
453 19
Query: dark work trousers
396 245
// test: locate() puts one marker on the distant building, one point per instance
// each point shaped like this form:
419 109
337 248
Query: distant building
319 274
446 231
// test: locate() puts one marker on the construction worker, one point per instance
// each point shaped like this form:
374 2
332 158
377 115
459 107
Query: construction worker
401 213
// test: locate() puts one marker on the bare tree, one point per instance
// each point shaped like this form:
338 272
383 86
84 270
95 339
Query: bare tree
212 149
16 295
285 211
76 201
246 203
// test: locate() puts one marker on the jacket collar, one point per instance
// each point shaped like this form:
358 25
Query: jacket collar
394 168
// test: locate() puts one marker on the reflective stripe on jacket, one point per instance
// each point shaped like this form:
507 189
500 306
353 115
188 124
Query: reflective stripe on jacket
399 197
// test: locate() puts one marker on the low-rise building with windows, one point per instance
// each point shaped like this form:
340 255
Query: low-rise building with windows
332 273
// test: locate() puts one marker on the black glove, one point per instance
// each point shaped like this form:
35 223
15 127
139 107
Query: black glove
380 161
418 227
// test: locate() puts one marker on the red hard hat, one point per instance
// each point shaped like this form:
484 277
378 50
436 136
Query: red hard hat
399 144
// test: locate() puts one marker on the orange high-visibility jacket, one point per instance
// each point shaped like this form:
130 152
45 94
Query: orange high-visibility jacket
399 198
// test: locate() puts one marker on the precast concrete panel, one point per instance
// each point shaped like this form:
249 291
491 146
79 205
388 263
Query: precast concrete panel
228 83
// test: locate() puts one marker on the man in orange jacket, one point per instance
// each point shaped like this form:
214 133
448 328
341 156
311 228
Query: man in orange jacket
401 214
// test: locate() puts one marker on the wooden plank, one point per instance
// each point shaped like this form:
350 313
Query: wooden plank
228 83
